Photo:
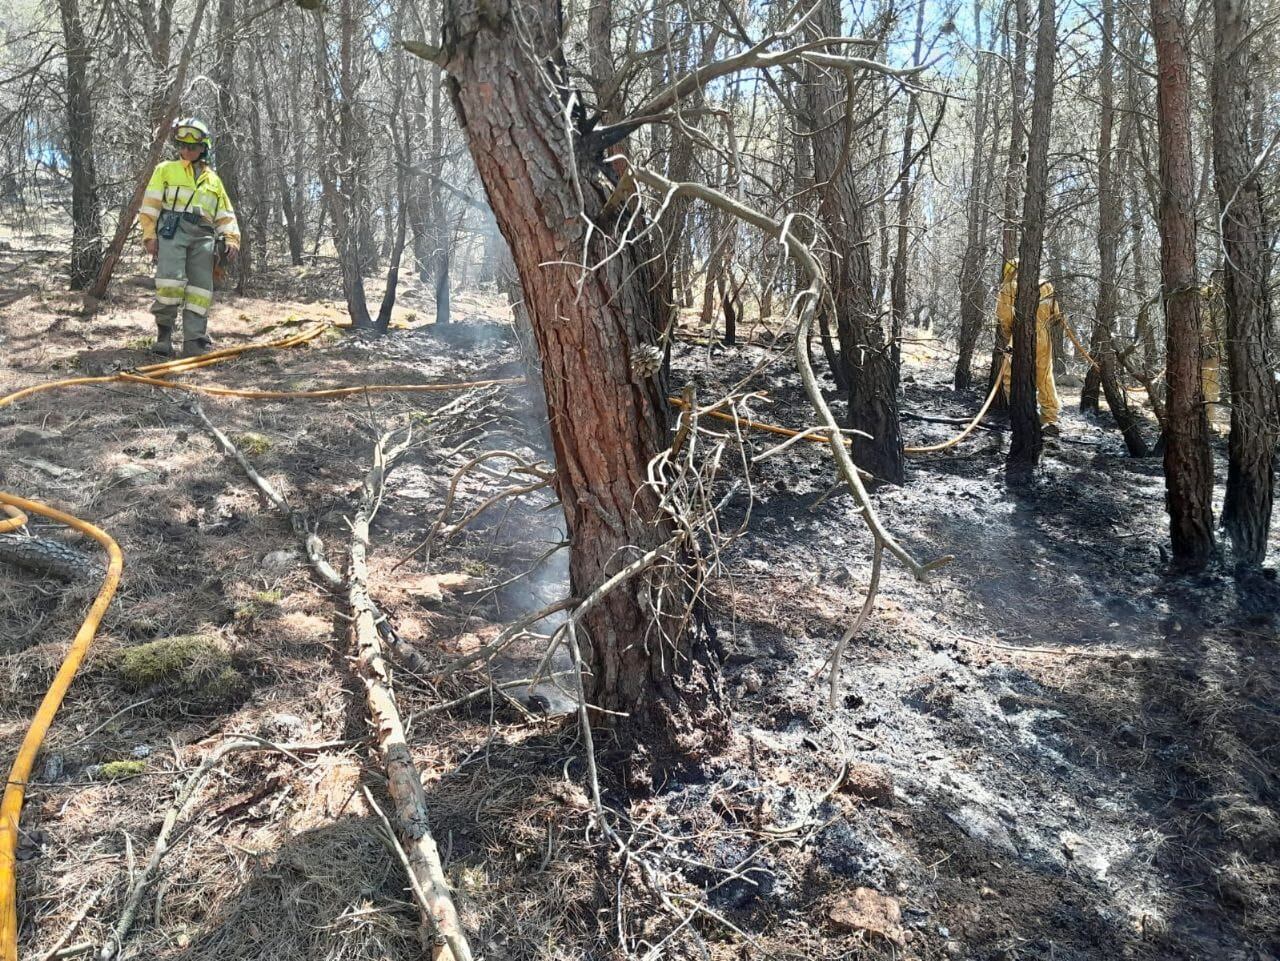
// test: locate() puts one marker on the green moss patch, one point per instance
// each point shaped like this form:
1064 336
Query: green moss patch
117 770
254 444
192 668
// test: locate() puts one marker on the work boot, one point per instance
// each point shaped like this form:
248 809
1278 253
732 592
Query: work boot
1050 430
164 342
197 347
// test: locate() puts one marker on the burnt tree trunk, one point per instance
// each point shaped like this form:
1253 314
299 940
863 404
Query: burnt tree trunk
1028 441
86 217
1246 512
1188 468
1014 172
607 406
972 295
1109 228
865 354
898 280
228 137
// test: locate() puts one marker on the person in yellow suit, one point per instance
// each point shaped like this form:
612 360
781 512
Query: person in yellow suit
1048 313
1212 349
185 215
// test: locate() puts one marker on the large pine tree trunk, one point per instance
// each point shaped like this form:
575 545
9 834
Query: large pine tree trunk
865 353
86 220
1246 513
1188 468
1024 451
607 407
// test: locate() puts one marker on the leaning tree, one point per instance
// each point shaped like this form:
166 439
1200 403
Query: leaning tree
594 282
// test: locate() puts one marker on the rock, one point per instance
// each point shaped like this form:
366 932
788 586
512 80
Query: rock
751 681
134 475
280 562
987 893
953 949
866 910
52 769
979 824
46 467
1084 854
282 725
35 437
141 750
869 782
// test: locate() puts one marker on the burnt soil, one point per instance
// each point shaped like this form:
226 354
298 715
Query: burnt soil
1052 748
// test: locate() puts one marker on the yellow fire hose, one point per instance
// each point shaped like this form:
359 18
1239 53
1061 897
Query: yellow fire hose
167 368
819 439
16 519
14 509
16 785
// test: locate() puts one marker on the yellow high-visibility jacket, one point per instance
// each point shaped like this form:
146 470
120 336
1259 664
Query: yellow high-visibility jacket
1047 313
175 185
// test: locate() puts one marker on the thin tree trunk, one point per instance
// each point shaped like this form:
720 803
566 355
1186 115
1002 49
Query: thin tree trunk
1109 204
1014 171
86 217
865 355
228 137
898 281
337 173
1024 450
972 295
1188 467
1246 511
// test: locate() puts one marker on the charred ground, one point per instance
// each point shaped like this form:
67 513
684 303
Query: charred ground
1051 749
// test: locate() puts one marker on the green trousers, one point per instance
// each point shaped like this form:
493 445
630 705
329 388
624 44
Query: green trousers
184 280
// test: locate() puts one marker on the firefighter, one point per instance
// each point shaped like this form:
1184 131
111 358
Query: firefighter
186 217
1212 348
1048 313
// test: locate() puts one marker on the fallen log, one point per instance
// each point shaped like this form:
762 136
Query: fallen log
441 931
45 556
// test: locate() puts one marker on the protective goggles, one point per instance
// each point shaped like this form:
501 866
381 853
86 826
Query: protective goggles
189 135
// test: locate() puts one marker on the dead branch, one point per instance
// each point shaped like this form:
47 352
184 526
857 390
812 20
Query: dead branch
545 478
807 302
441 932
837 653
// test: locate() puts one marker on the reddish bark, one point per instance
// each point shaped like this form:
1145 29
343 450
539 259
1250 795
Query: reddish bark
607 406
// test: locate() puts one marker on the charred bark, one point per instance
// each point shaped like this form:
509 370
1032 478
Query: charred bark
865 352
596 332
1028 441
1246 512
1188 468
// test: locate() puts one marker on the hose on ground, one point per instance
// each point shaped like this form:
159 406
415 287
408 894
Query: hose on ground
20 772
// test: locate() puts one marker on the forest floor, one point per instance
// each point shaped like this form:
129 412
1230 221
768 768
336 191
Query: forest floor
1050 749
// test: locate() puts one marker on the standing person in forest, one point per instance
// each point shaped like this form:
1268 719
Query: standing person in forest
186 216
1048 314
1212 316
